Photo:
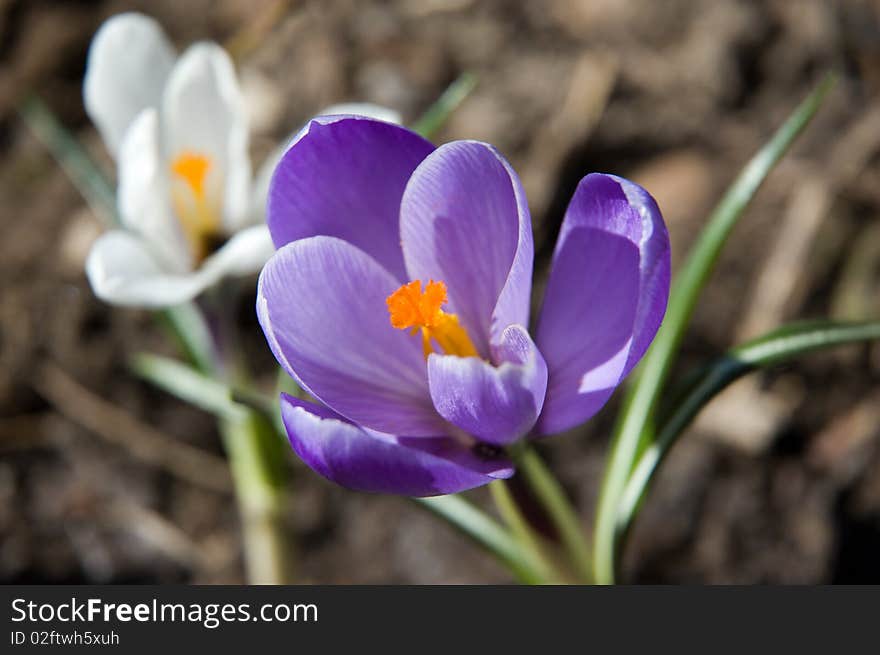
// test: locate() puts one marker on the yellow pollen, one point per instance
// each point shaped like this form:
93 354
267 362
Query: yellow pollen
192 168
199 218
412 309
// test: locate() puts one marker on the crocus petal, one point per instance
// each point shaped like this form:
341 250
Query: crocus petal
344 176
495 404
464 220
585 327
124 269
605 298
614 204
142 195
128 63
264 174
204 113
375 462
367 109
244 254
321 302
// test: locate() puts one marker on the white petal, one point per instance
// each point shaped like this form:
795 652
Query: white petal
143 193
123 271
243 254
365 109
203 112
129 60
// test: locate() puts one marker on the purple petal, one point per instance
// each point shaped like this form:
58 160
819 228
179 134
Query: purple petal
344 176
497 405
605 298
585 327
464 220
617 205
371 461
321 303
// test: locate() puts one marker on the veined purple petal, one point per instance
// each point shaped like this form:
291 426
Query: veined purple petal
605 298
617 205
321 303
495 404
464 220
585 327
344 176
370 461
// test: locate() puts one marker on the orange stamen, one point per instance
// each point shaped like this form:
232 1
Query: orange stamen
199 218
411 308
192 168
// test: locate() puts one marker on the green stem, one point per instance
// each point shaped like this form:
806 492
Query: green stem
256 457
261 498
523 532
552 497
187 327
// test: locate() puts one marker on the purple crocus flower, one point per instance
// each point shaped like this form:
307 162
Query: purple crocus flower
399 299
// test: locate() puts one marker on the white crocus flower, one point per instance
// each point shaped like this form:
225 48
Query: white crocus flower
190 211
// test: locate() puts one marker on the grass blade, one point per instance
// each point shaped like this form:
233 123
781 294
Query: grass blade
82 171
549 492
486 532
779 346
187 384
196 388
519 527
438 113
643 394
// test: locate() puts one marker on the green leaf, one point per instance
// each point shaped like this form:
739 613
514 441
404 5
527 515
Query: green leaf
642 396
486 532
438 113
187 384
550 494
527 538
187 326
286 384
71 156
196 388
779 346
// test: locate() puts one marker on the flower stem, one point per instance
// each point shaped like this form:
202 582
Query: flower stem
548 491
260 493
256 455
523 532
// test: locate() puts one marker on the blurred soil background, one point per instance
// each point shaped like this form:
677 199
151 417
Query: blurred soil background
103 479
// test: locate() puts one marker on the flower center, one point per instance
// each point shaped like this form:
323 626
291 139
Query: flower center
199 218
416 310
